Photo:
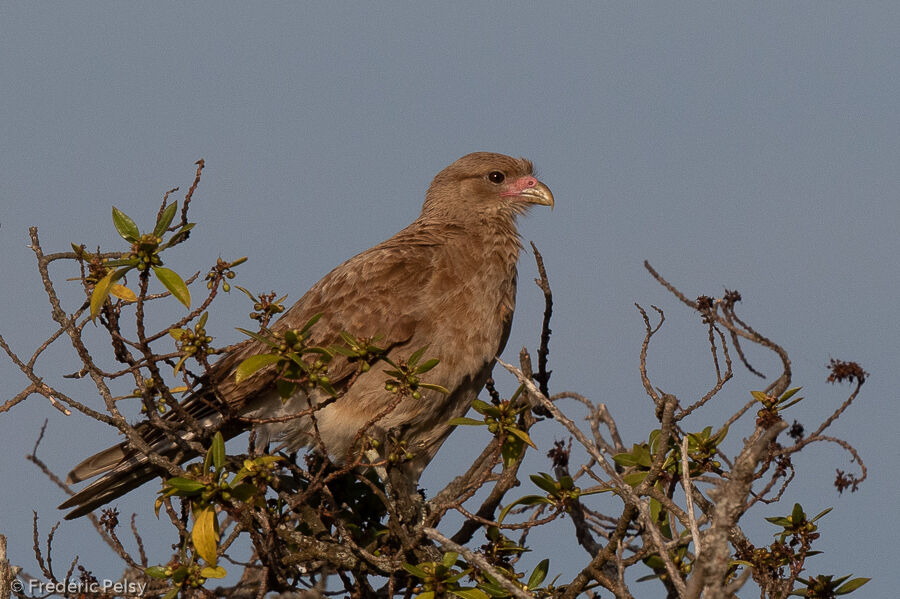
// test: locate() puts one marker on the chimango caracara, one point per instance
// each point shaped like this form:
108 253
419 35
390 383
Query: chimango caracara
447 281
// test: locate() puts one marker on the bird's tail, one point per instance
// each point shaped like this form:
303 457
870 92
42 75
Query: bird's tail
124 468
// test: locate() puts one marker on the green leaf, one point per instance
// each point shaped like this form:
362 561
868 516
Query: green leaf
125 226
180 574
285 388
449 559
522 435
526 500
539 574
309 323
851 585
434 387
204 534
425 595
216 572
103 287
131 262
760 397
172 593
240 261
416 356
456 577
633 479
349 339
185 485
258 337
789 394
485 409
465 422
344 351
545 482
298 360
720 436
217 450
784 406
327 388
156 572
512 450
243 491
251 365
246 292
180 363
165 219
428 365
625 460
819 515
416 571
177 237
469 593
322 351
493 589
517 393
170 279
122 292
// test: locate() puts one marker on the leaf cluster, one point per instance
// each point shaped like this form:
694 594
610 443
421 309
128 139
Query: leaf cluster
145 256
503 420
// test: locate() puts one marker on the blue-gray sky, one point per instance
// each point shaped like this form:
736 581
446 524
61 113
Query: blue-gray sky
750 147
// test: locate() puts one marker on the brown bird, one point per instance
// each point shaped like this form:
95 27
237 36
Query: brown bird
447 281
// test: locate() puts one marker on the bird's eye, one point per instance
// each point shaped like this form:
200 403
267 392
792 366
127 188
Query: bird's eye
496 177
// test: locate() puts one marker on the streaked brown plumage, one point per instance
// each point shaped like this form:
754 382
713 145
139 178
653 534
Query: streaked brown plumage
447 281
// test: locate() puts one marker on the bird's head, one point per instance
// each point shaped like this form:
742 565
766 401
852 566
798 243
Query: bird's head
485 184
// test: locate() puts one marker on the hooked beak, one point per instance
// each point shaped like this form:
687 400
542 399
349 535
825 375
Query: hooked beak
530 191
539 194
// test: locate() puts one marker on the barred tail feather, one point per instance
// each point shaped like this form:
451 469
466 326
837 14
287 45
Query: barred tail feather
120 479
124 469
